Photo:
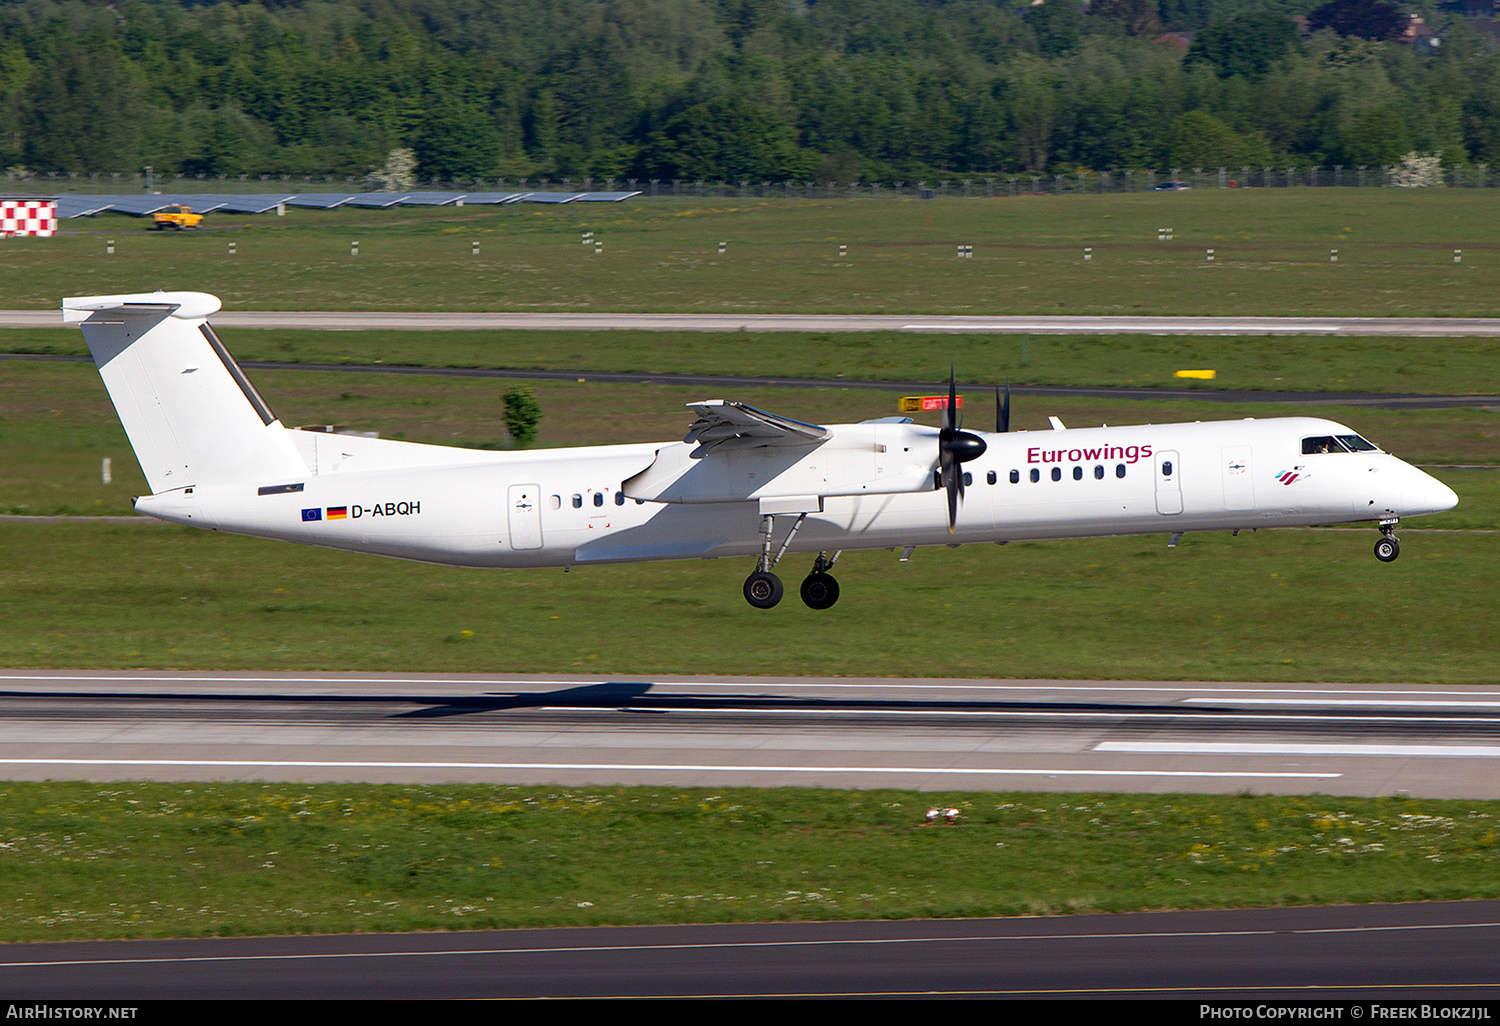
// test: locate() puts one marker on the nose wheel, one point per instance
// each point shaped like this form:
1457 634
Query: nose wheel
1387 548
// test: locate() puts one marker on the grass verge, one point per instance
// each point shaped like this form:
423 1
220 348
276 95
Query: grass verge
1293 605
1271 256
153 859
1429 366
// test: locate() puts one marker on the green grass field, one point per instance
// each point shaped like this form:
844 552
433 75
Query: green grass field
1271 256
1446 366
91 594
172 860
1295 605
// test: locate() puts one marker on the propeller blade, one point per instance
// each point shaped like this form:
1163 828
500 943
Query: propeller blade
950 412
1002 412
955 446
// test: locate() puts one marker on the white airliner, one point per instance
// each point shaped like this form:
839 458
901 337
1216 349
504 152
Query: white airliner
742 483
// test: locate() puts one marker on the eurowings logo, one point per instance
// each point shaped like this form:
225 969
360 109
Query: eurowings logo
1286 477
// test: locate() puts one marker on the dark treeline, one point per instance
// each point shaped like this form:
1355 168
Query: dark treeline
873 90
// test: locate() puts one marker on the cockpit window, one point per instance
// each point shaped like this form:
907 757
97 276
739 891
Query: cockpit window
1321 443
1354 443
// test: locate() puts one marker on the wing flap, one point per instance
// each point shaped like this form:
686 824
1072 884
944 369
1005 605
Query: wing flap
725 424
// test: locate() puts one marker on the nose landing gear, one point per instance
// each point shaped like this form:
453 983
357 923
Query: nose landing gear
1388 548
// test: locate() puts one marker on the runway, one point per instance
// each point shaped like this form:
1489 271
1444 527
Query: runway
932 735
1398 953
916 323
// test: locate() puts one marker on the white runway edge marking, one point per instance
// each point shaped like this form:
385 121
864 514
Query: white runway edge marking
1356 702
696 946
652 767
1196 328
1234 748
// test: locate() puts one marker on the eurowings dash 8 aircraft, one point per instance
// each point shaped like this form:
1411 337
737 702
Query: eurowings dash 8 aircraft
743 482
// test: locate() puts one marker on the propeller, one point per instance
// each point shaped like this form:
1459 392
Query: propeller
1002 413
955 448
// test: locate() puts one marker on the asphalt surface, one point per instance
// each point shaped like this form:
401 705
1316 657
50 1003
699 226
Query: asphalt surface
1394 953
934 735
921 323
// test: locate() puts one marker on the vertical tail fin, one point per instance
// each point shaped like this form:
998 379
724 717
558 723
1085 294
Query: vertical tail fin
192 417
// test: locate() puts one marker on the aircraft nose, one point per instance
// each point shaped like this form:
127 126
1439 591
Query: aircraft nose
1430 495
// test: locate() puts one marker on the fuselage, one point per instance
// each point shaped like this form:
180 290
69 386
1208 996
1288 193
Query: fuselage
867 486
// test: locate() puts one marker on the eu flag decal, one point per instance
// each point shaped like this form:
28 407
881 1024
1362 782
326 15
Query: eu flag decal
316 513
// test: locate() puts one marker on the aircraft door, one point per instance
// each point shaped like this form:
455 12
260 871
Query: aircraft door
525 516
1239 478
1168 487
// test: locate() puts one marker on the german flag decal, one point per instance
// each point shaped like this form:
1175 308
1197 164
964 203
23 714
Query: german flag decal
338 512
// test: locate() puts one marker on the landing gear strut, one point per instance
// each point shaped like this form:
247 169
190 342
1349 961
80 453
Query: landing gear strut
1388 548
763 589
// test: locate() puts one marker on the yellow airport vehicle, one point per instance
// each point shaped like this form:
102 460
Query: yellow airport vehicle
176 217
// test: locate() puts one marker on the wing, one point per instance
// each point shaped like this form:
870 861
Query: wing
723 424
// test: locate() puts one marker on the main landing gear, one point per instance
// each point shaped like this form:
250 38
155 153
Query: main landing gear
1388 548
819 589
763 589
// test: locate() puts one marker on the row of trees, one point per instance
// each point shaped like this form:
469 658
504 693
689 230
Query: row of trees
725 89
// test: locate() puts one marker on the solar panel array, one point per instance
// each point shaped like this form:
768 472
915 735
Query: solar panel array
71 205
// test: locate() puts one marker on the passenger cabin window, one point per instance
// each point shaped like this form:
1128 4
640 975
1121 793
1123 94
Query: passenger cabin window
968 479
578 502
555 501
1057 473
1119 470
990 477
1166 468
1077 473
619 498
1099 473
1015 477
598 498
1036 475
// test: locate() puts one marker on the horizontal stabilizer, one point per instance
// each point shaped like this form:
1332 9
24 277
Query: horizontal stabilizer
182 305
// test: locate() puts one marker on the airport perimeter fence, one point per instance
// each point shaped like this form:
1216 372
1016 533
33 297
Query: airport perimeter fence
1459 176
